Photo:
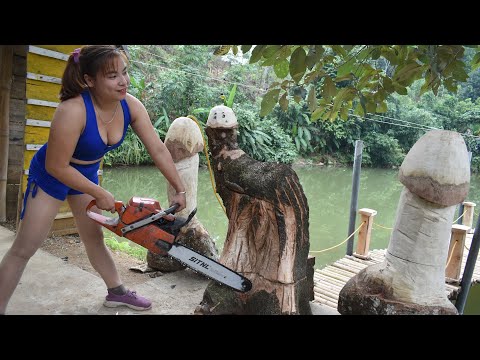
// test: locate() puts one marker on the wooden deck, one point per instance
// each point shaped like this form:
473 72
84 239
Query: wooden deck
329 280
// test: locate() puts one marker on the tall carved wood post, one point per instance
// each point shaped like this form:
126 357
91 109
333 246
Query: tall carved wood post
184 141
411 279
267 239
6 63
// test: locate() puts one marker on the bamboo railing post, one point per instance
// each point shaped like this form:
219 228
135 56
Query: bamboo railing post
468 217
365 233
455 252
6 62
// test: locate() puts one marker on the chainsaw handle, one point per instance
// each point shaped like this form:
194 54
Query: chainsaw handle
171 209
118 206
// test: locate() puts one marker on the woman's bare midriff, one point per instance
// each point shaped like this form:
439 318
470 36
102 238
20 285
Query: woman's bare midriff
84 162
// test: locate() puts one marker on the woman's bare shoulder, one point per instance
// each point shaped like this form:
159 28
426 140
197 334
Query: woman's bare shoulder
71 110
136 107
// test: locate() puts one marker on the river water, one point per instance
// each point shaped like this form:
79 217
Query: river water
328 191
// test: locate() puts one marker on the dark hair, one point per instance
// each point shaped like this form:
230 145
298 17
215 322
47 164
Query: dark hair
90 60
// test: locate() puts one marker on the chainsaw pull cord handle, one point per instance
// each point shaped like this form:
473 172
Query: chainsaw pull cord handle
119 208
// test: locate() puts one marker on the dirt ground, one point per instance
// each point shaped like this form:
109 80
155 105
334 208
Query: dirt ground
70 248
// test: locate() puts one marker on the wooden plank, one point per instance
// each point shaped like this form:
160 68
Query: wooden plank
353 264
325 295
47 53
335 275
39 64
327 278
33 147
328 285
44 78
36 135
37 123
326 302
361 261
328 288
39 112
334 269
65 49
39 102
330 280
346 268
43 90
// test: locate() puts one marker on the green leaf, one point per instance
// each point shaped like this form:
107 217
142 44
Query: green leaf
268 102
382 107
256 53
283 102
402 90
235 49
359 110
389 54
269 62
316 114
345 68
371 107
297 98
281 68
407 73
314 55
339 50
329 88
231 96
307 134
270 50
312 99
222 50
344 113
284 52
304 143
387 84
297 64
246 48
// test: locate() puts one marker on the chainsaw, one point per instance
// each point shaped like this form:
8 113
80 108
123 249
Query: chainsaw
146 224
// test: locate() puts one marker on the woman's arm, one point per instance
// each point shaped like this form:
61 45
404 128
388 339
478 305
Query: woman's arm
67 125
162 158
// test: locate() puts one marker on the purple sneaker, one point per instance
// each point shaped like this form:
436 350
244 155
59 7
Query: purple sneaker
130 299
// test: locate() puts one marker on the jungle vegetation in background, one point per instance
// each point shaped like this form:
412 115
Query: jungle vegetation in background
181 80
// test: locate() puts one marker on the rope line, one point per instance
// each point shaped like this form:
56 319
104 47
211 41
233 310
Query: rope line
454 221
205 149
383 227
344 241
451 254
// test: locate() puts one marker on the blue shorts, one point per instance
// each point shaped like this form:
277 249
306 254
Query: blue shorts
38 176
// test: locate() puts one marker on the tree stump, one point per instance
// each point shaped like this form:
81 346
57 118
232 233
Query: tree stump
268 236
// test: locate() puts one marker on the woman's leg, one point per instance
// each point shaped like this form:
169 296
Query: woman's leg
32 231
91 235
100 257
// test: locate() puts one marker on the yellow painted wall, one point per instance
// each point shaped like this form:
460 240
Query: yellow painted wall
45 91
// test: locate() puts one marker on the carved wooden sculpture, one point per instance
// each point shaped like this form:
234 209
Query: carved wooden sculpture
184 141
411 279
268 235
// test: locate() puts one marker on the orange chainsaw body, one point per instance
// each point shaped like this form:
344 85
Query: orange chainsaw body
137 209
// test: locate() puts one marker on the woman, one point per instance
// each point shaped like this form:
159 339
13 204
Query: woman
91 119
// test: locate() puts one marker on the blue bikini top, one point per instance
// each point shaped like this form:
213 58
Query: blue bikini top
90 145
